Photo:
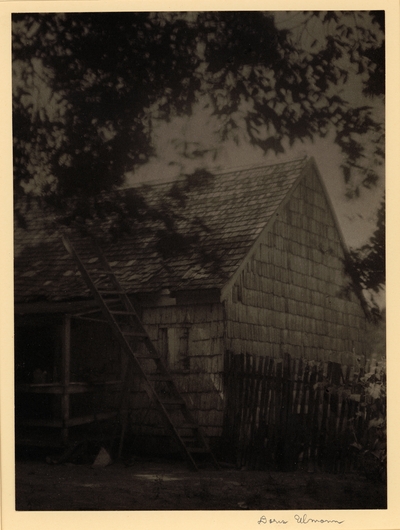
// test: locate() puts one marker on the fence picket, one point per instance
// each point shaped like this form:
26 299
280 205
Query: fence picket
278 408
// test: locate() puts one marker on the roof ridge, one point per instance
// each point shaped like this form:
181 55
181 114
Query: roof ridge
216 172
258 165
223 218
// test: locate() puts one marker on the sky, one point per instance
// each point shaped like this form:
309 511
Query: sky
182 135
356 216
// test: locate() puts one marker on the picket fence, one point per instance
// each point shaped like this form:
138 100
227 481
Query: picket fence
282 413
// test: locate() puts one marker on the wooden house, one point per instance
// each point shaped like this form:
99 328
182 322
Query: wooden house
266 277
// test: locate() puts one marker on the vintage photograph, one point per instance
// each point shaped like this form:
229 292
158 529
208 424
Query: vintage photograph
199 260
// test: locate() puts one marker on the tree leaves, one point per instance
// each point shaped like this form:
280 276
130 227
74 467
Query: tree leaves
369 262
88 87
108 75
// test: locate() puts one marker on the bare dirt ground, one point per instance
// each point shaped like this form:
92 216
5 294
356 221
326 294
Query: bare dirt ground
159 484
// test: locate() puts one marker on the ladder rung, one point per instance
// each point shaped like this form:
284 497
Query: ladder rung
135 333
100 291
189 439
198 450
122 313
159 377
105 287
171 401
110 301
187 426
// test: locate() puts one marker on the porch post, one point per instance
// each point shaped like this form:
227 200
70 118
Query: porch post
66 357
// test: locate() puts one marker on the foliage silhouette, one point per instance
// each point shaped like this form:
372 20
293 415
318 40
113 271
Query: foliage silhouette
88 89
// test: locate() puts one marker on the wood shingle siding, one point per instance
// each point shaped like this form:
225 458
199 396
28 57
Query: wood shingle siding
289 296
275 287
201 382
234 207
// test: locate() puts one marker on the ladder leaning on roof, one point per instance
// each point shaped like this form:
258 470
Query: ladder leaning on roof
120 312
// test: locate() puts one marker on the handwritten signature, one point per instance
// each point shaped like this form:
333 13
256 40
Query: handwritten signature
264 520
300 519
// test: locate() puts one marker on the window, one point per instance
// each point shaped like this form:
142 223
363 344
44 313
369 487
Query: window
173 344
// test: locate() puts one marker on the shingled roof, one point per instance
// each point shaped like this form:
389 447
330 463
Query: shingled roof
231 209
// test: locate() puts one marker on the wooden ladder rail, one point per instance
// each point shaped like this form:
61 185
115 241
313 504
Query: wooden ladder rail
140 332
